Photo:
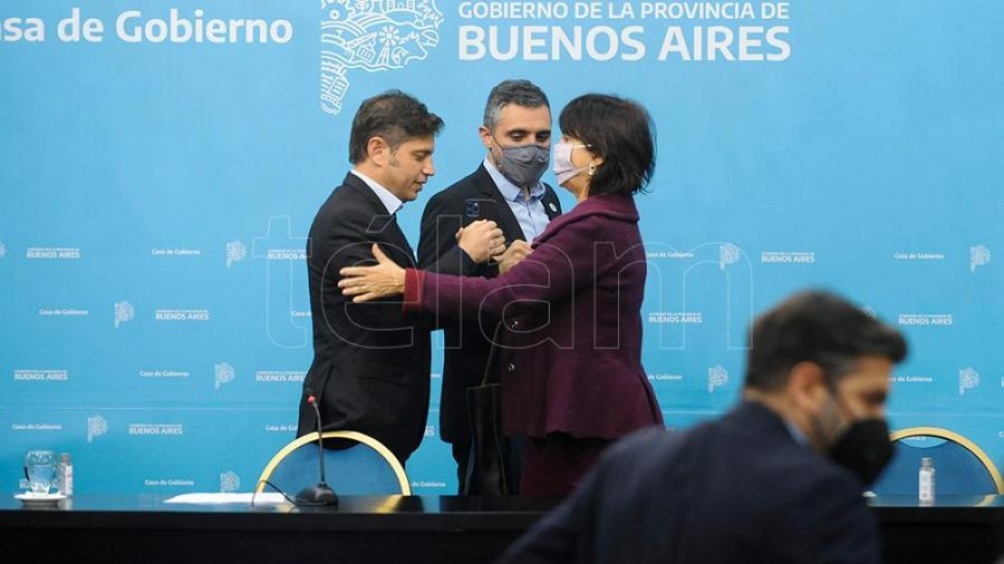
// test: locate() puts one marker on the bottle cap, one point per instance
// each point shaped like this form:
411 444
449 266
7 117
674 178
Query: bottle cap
926 461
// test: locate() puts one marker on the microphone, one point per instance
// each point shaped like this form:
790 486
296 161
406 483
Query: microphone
320 494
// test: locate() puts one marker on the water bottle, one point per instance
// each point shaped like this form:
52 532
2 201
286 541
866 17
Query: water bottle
65 474
926 483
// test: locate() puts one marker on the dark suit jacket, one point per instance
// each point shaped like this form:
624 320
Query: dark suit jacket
371 362
466 341
736 490
572 362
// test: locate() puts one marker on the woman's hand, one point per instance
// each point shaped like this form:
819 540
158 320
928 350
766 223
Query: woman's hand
516 252
365 283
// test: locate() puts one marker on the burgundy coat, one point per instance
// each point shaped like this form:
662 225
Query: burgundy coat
572 311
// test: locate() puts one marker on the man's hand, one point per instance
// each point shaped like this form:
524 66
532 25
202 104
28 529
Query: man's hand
516 252
481 240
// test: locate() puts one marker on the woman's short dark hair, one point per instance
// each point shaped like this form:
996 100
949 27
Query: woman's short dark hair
820 327
618 130
393 116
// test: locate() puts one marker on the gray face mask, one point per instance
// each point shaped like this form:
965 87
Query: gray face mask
523 165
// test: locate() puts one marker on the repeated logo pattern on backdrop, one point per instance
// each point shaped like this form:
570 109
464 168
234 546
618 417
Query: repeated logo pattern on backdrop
161 167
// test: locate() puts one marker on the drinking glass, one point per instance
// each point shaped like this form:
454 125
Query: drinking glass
40 468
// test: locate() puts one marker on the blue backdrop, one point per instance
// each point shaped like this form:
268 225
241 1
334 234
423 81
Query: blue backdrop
160 167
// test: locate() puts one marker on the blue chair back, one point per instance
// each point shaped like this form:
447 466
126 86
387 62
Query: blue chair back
961 467
365 467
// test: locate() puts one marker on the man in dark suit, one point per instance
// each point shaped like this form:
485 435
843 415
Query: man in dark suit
506 189
778 479
370 371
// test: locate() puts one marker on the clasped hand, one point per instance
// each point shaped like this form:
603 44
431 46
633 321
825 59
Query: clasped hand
481 240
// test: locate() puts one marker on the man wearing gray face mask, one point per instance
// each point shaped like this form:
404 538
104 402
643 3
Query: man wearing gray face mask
506 189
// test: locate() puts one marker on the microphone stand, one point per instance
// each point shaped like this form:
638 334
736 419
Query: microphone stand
321 493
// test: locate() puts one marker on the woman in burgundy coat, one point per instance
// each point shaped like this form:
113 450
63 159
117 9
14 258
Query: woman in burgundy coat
572 375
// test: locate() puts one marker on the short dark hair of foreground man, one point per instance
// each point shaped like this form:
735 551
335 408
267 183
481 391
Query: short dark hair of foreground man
779 479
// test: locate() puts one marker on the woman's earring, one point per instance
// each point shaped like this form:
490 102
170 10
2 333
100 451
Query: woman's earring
592 169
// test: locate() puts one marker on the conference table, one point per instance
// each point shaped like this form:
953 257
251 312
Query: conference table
412 529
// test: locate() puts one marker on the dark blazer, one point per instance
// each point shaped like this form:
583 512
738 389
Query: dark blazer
466 342
736 490
371 362
573 314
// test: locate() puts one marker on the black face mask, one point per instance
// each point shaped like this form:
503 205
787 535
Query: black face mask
864 449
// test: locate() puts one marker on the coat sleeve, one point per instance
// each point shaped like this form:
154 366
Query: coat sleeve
437 245
345 239
563 535
847 532
558 267
579 530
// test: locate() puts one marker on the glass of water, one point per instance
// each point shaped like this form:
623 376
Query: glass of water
40 468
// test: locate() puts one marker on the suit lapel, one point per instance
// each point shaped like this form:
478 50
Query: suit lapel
382 225
394 230
506 219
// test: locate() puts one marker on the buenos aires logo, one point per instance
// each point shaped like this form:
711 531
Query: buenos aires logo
372 35
979 255
718 376
236 252
969 379
123 312
728 254
230 482
96 426
223 374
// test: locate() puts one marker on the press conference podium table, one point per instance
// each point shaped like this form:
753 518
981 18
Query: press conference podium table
413 530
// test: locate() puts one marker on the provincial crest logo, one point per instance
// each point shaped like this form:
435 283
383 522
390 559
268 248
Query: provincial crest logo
236 252
123 312
969 379
230 482
224 374
728 254
718 376
96 426
372 35
979 255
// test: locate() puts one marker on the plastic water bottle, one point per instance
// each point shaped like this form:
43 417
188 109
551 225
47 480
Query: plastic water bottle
926 481
64 474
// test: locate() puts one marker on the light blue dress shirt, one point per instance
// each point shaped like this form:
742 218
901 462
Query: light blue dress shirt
390 201
528 211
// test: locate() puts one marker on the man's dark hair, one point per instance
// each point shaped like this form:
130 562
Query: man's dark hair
621 131
517 91
393 116
820 327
